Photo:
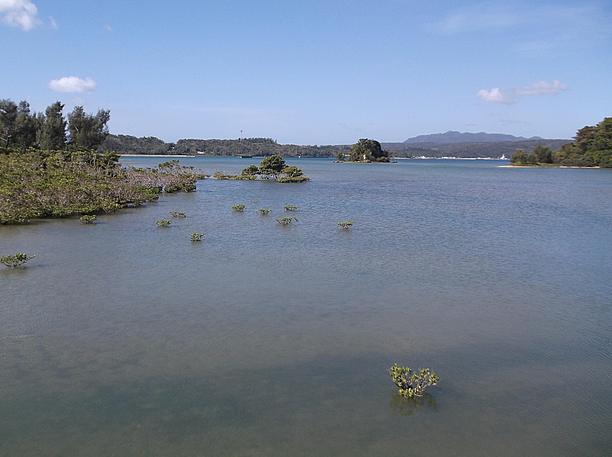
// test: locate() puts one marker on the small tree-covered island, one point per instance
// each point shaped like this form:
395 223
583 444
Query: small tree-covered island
271 168
592 147
365 151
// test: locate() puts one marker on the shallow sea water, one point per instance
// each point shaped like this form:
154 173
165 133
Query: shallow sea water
125 339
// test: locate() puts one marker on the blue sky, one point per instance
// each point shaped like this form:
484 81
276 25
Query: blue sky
314 72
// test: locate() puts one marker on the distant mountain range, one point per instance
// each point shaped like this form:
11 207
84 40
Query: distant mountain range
449 144
454 137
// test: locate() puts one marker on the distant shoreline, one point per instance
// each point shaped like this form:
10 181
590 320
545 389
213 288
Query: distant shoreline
155 155
544 166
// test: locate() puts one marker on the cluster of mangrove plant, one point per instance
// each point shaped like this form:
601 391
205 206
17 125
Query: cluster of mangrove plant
239 207
271 168
291 208
37 184
412 383
196 237
345 225
88 219
286 220
177 214
264 211
163 222
16 260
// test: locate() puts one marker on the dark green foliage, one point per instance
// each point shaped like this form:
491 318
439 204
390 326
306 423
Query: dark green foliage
345 225
273 168
340 156
58 184
195 237
16 260
264 211
239 207
88 219
251 170
519 157
366 150
291 208
411 383
87 131
272 165
8 117
163 223
592 146
53 132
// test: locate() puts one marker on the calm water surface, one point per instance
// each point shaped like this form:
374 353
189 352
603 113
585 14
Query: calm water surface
124 339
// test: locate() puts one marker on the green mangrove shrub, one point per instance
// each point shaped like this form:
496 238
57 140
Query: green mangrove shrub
291 208
195 237
239 207
411 383
163 223
286 220
16 260
264 211
345 225
178 214
88 219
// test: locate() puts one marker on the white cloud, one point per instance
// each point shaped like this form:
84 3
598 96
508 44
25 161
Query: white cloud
72 84
53 23
19 13
543 88
495 95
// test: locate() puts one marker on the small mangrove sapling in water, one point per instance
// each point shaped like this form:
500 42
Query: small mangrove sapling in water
291 208
195 236
163 223
345 225
411 383
286 220
177 214
88 219
16 260
264 211
239 207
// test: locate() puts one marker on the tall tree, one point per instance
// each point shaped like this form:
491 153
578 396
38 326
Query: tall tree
53 133
87 131
25 127
8 116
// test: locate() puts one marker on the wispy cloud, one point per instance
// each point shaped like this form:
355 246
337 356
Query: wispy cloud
540 24
19 13
507 96
72 84
543 88
53 23
494 95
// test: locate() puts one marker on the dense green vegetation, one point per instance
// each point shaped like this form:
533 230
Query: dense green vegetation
411 383
36 184
592 147
16 260
21 129
286 220
126 144
239 207
163 223
49 167
366 150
